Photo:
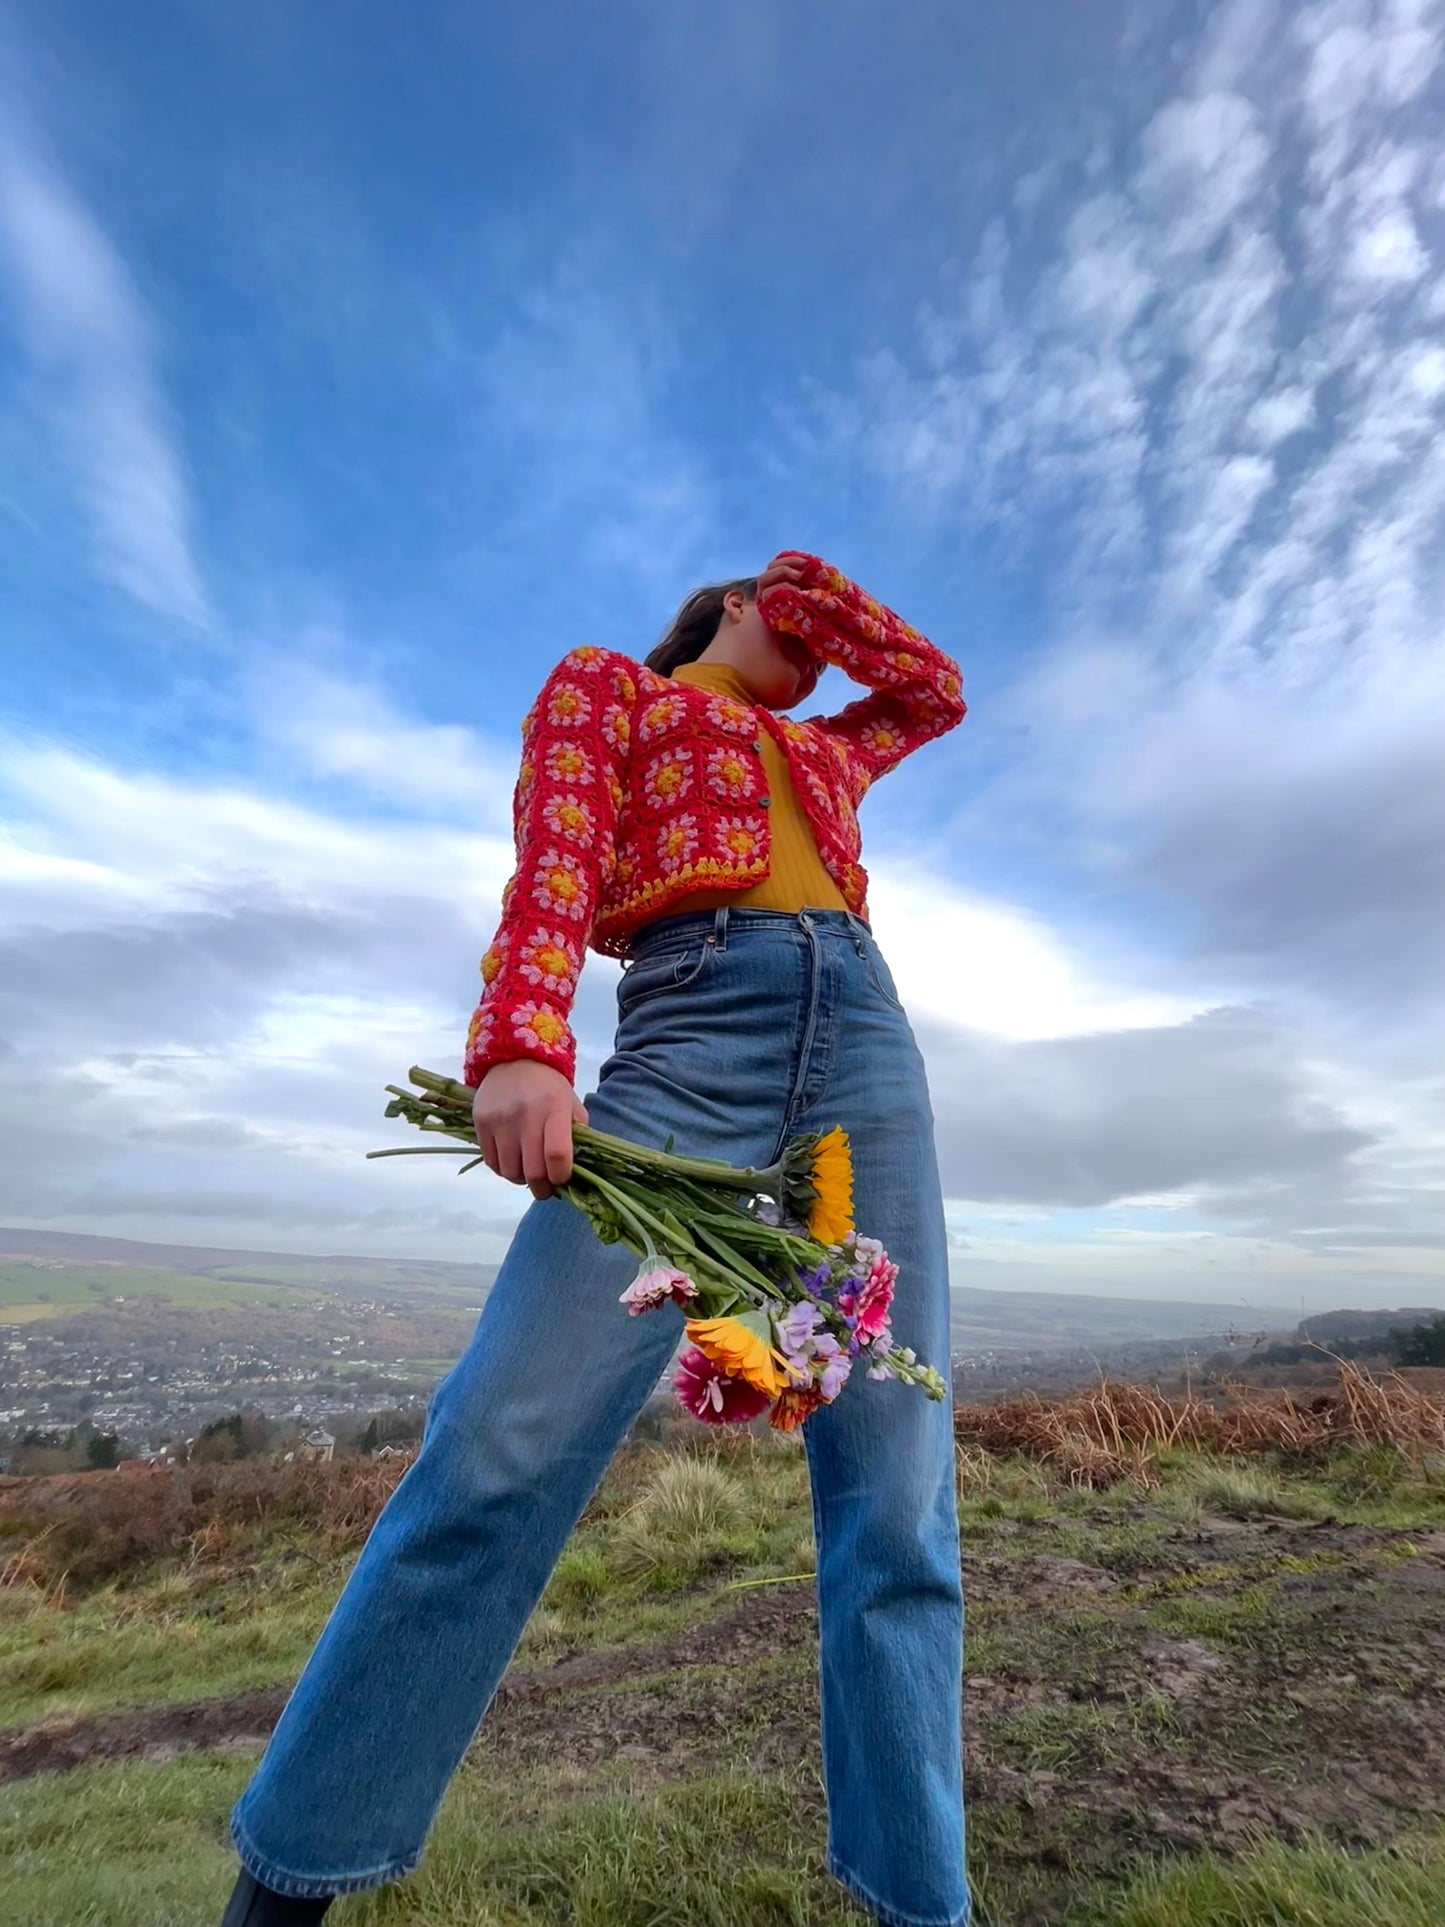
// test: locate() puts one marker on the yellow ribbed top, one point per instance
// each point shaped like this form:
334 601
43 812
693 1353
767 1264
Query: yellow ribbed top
796 877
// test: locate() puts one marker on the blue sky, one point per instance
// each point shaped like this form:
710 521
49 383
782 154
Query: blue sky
353 367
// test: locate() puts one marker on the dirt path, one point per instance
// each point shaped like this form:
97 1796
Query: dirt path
771 1616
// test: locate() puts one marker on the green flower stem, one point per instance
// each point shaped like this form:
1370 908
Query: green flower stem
639 1220
710 1170
421 1151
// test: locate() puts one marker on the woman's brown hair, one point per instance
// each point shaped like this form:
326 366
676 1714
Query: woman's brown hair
695 624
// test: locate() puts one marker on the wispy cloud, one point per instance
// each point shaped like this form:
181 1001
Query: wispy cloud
575 386
92 372
1195 378
327 720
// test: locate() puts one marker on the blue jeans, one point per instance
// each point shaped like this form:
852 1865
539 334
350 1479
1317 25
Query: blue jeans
737 1028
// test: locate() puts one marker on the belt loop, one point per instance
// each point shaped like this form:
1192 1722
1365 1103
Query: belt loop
720 927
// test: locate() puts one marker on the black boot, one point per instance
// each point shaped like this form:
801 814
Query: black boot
252 1905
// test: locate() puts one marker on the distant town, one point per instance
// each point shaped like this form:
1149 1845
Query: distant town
103 1361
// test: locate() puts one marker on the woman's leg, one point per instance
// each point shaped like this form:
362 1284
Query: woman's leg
518 1435
882 1465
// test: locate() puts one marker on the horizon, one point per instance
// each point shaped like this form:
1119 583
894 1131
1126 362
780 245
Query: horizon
213 1254
338 403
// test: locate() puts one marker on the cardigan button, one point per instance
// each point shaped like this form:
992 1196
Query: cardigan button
765 802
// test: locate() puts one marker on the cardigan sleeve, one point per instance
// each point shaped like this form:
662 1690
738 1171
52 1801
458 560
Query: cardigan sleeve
916 690
564 818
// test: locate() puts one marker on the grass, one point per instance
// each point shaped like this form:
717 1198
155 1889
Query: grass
1314 1885
682 1785
145 1846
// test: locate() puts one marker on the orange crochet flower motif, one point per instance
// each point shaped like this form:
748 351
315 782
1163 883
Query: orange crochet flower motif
560 884
495 956
659 717
677 844
668 777
569 763
726 712
569 817
541 1025
881 739
550 960
740 837
568 706
729 774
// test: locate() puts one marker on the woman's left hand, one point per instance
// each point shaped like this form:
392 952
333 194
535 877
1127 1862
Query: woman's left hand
784 567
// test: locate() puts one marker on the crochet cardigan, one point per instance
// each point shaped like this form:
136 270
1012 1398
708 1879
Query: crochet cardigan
635 790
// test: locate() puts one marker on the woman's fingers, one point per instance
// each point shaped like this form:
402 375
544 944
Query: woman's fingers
523 1117
509 1163
557 1146
486 1140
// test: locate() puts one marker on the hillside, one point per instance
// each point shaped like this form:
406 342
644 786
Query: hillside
981 1318
1205 1688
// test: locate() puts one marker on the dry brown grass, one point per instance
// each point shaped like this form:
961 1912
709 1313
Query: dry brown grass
79 1528
74 1530
1116 1431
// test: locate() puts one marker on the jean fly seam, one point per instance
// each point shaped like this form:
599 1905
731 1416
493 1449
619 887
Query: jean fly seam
805 1047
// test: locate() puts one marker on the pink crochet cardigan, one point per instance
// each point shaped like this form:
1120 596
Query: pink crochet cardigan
635 790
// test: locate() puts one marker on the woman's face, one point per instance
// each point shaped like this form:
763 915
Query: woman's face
778 669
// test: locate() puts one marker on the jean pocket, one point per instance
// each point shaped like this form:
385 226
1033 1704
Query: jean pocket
654 976
880 975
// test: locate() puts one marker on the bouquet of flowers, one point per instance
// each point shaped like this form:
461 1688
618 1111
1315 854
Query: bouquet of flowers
783 1298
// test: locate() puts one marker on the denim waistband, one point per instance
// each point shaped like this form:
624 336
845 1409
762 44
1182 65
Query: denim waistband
728 922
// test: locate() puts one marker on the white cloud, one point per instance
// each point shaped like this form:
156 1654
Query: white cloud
92 371
223 980
992 968
1194 390
343 730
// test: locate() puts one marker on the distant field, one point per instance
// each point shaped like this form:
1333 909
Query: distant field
394 1280
29 1292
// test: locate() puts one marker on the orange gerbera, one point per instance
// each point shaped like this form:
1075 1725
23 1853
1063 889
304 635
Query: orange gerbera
743 1348
792 1405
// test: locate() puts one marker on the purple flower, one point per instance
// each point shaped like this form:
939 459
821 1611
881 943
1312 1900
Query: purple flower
814 1282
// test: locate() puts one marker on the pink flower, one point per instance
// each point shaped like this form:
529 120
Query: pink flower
702 1389
650 1288
868 1305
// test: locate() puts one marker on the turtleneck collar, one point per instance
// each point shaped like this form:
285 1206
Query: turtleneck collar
715 675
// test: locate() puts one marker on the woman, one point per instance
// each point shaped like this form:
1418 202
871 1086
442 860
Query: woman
668 814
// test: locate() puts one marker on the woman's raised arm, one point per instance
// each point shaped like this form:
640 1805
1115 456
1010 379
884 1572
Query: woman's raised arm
916 690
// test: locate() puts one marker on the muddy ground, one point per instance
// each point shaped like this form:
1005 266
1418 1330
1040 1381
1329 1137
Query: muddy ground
1129 1690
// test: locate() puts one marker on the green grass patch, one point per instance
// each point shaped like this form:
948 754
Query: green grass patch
145 1846
1314 1885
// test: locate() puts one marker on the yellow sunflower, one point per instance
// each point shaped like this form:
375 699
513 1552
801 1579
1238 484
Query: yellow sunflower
831 1217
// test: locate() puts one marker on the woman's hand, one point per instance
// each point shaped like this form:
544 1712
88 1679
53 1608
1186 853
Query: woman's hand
523 1114
784 567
